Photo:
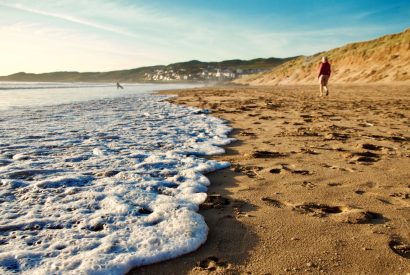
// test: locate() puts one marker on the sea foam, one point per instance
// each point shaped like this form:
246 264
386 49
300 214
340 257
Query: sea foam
102 186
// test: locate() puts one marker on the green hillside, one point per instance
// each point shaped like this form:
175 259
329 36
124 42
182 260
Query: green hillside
192 68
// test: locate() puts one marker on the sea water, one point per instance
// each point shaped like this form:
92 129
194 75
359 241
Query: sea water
95 180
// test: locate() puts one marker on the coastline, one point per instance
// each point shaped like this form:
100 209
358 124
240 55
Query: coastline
315 186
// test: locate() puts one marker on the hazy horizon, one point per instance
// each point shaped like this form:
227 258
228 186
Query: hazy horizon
98 36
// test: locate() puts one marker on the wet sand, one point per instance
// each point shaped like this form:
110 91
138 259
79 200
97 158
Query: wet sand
316 186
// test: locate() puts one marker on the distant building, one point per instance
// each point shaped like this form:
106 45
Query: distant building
218 73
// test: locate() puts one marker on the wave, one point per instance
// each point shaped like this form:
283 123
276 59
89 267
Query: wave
102 186
50 85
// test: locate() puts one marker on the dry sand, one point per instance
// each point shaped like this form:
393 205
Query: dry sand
317 185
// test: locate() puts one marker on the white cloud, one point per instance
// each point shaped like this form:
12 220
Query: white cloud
66 17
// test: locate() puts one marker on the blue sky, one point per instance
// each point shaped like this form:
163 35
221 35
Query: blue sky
101 35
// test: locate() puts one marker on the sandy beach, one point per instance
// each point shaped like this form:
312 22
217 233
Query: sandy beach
316 186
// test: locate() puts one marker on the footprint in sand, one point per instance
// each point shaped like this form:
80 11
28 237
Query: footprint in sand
253 115
245 133
268 154
266 117
241 207
372 147
358 216
250 171
275 171
329 166
364 157
399 139
399 199
310 151
211 263
273 106
341 214
308 185
365 124
214 201
369 184
384 201
307 118
293 170
399 247
400 195
272 202
347 169
334 184
336 136
359 192
317 210
305 132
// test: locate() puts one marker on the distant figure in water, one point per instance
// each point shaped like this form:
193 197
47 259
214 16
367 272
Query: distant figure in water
119 86
324 74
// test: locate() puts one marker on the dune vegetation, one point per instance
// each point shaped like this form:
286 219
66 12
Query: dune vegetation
382 60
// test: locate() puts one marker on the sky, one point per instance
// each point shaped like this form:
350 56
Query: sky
101 35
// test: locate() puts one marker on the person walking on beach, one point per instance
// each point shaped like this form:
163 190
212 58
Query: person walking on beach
119 86
324 74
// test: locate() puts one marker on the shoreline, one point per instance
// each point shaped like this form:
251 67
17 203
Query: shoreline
316 185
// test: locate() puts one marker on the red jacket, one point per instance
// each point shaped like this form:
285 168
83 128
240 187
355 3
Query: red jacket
324 69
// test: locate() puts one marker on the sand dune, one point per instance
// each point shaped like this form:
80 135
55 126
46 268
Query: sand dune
382 60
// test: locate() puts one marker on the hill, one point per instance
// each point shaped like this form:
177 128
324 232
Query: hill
382 60
184 71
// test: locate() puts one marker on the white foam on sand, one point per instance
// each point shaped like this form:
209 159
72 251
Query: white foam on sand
102 186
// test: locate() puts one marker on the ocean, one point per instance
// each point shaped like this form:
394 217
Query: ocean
95 180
